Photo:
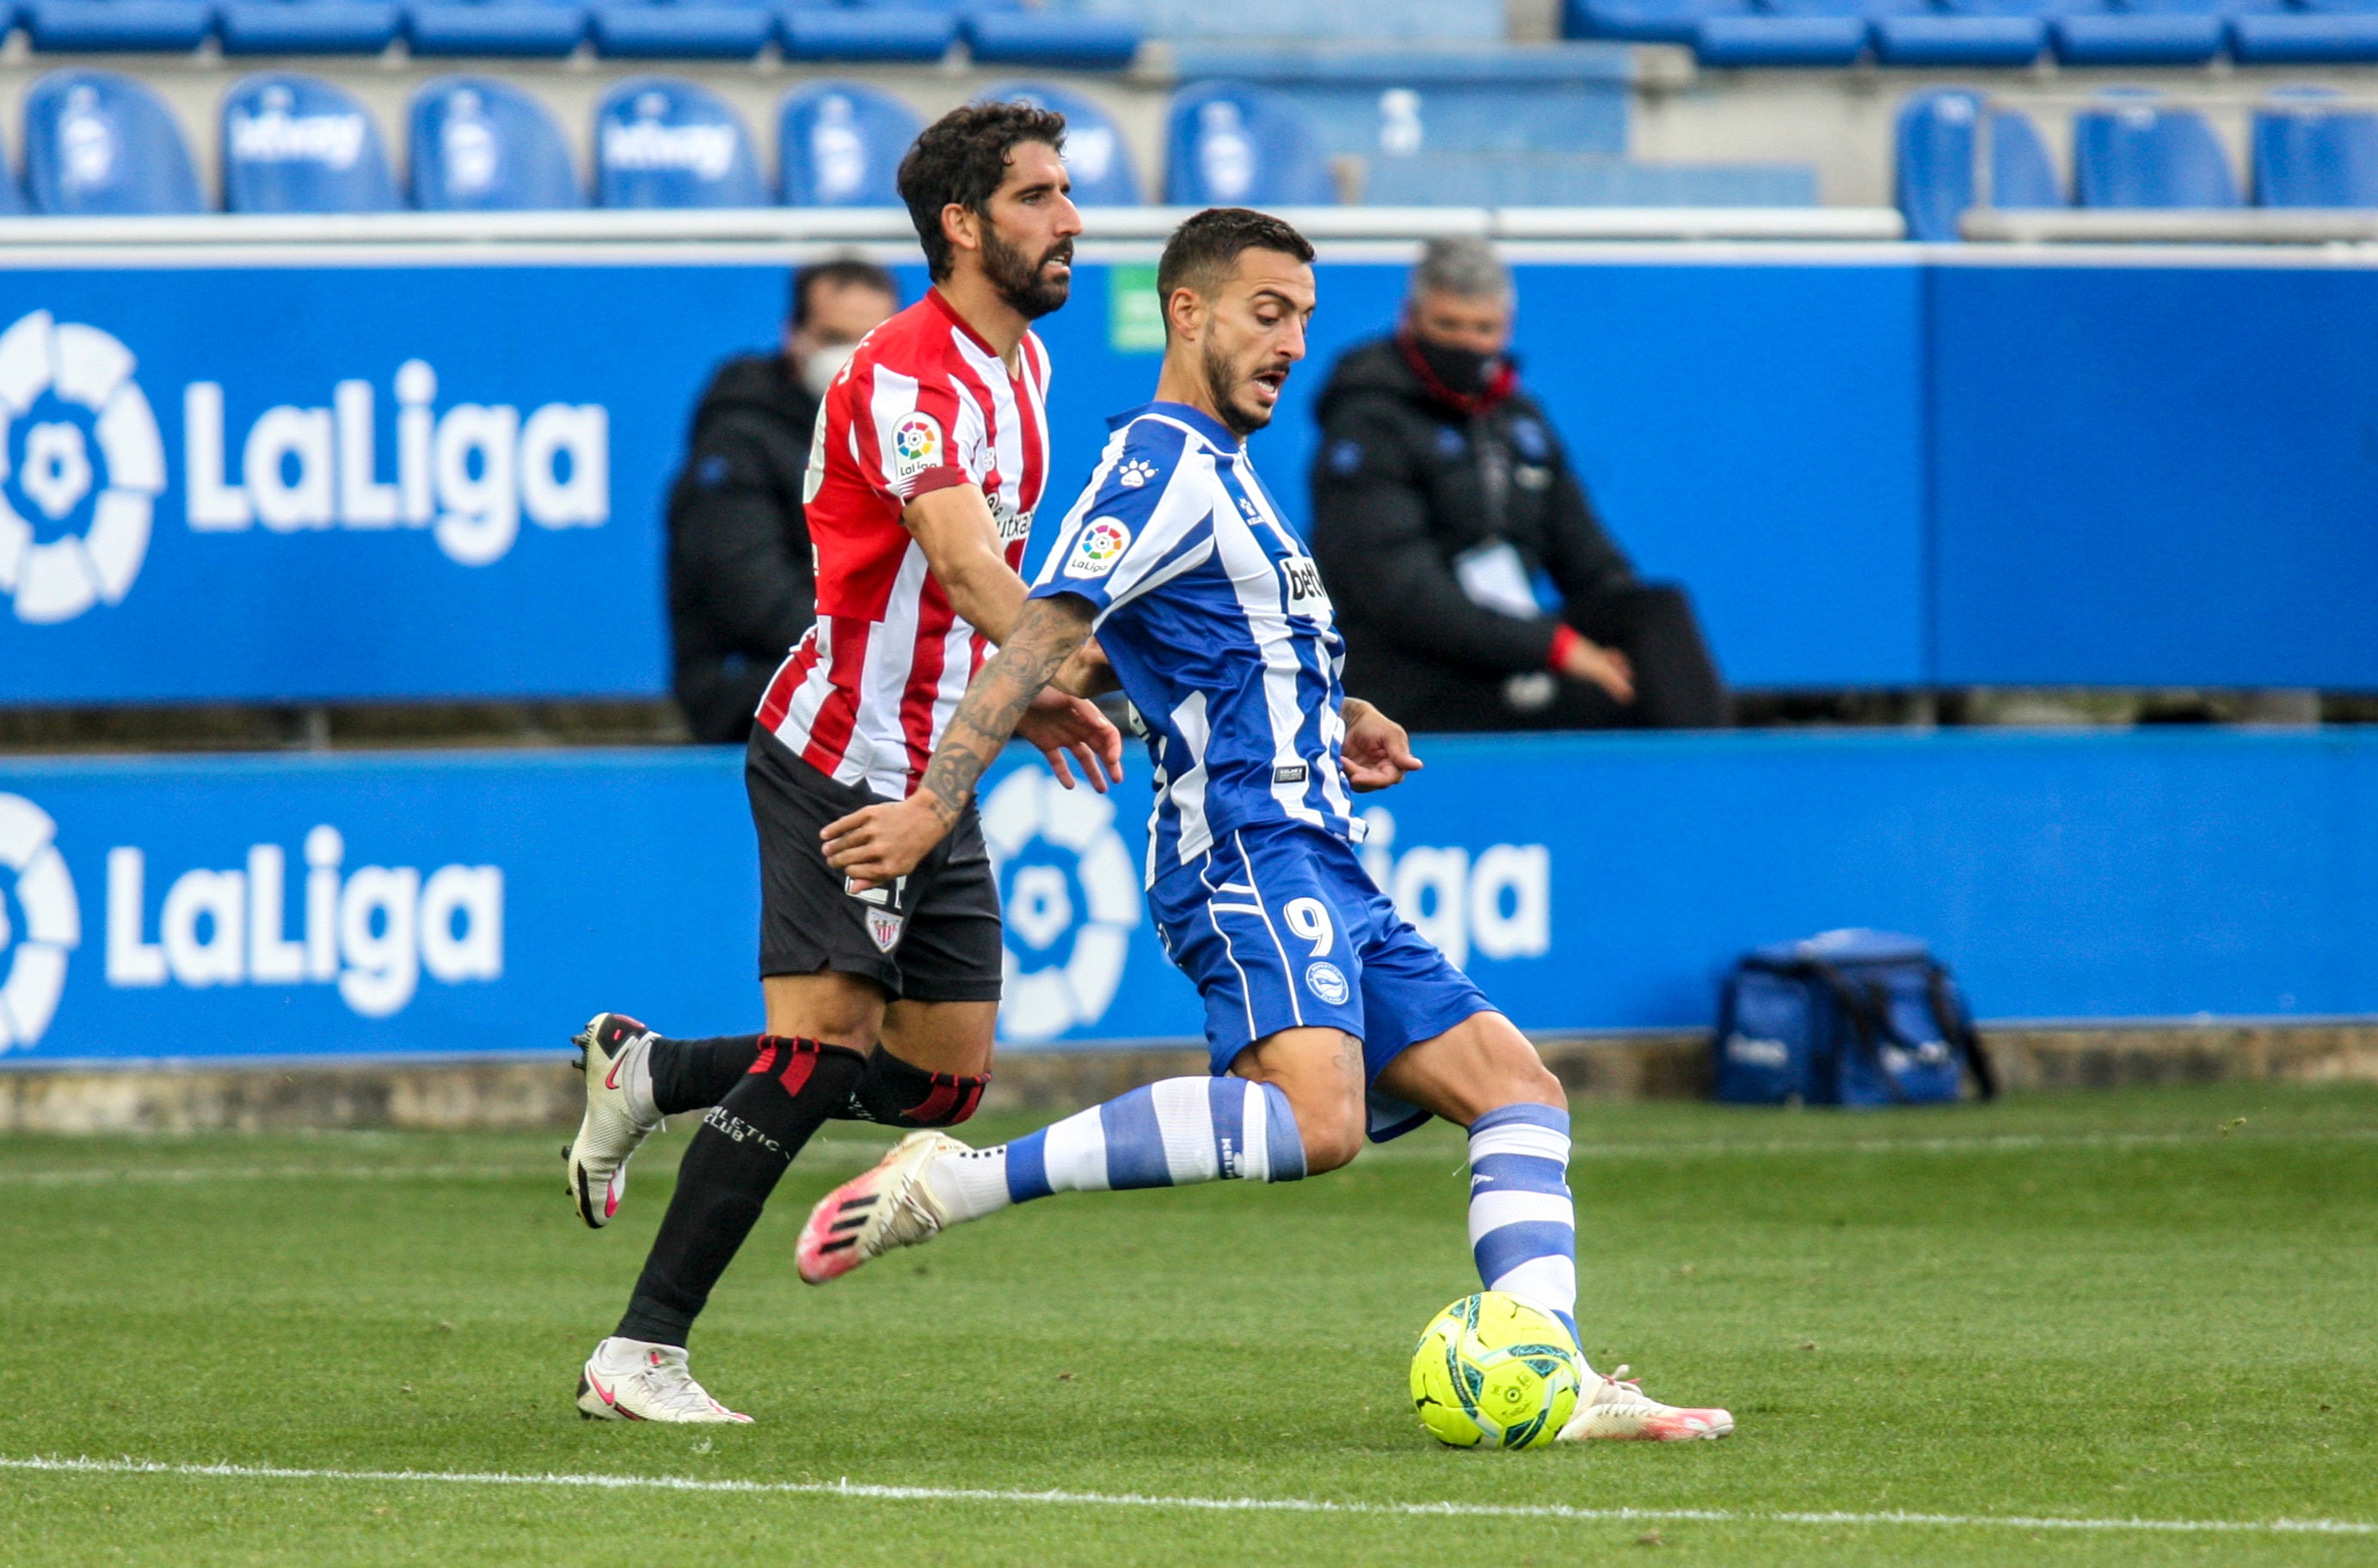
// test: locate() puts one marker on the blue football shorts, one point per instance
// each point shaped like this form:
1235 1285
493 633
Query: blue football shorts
1282 928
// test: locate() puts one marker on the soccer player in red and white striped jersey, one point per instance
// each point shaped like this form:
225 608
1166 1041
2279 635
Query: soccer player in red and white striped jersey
930 455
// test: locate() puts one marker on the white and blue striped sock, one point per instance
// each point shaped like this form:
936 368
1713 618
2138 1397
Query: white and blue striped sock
1522 1226
1169 1134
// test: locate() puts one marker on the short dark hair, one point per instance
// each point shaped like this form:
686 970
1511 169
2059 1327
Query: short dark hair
962 158
1206 249
843 271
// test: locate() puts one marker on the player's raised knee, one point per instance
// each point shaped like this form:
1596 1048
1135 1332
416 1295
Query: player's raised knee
1331 1131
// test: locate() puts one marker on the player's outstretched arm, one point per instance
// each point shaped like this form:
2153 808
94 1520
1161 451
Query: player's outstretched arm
883 842
1376 753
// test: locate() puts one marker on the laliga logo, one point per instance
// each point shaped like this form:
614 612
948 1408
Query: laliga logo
80 453
1065 870
466 475
1500 904
40 922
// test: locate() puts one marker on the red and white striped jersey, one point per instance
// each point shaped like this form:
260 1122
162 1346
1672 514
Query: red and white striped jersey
924 403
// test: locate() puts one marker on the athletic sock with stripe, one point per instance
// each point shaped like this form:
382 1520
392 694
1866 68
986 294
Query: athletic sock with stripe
1522 1222
1169 1134
734 1162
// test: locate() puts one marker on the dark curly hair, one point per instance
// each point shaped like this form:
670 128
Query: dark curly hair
961 157
1204 250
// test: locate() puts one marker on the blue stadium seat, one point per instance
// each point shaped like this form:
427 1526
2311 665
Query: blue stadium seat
1938 162
1051 39
482 145
98 144
1645 21
1768 40
514 28
1973 32
2323 32
662 143
1095 153
309 27
840 144
876 33
682 29
2308 154
2137 151
1230 144
2149 33
295 144
95 26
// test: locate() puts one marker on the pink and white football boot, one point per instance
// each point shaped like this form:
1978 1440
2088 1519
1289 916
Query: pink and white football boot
1614 1408
869 1215
627 1380
612 1051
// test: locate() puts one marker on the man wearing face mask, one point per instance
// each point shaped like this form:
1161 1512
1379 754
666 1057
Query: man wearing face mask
742 587
1474 586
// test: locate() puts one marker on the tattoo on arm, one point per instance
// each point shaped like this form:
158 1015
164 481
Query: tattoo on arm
1043 638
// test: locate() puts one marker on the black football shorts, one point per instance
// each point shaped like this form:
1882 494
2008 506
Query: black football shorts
934 936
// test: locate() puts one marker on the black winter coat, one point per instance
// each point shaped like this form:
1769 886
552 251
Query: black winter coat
743 584
1403 484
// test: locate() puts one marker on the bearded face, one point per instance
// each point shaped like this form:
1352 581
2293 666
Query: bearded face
1025 281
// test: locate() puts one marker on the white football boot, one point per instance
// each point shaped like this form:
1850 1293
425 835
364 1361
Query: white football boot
627 1380
891 1206
1615 1408
612 1049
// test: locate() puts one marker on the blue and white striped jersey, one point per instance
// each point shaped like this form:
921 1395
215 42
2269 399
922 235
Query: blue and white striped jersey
1215 620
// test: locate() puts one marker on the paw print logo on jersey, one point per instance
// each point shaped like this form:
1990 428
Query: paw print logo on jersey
1071 898
1135 474
1102 545
40 921
916 444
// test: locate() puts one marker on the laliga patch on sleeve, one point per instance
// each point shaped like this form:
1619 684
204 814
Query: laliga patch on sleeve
916 445
1102 545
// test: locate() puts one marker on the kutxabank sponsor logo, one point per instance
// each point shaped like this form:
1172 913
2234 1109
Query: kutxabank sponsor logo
1071 900
40 921
84 464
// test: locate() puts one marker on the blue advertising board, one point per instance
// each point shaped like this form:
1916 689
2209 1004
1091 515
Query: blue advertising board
434 480
437 906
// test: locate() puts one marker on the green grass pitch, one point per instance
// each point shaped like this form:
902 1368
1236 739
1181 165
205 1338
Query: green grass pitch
2109 1308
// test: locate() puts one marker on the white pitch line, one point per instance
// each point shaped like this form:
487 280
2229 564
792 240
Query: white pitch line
838 1150
845 1489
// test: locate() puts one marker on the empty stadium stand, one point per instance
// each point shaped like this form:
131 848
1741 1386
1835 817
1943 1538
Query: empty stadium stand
1232 143
291 144
98 143
662 143
482 144
2139 151
2307 153
840 144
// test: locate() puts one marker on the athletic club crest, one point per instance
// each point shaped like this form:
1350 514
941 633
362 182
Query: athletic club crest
884 928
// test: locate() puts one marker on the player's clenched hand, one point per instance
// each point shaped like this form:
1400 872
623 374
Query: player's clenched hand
882 843
1376 752
1059 724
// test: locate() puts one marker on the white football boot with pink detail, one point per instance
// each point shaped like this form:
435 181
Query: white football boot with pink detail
628 1380
614 1048
1615 1409
869 1215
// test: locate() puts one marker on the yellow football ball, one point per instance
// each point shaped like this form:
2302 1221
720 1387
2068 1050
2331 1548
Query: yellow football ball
1495 1371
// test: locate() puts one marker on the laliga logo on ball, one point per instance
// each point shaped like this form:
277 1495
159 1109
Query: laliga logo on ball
1064 871
66 389
34 975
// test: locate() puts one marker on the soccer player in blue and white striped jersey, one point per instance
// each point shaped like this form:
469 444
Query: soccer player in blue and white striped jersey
1327 1017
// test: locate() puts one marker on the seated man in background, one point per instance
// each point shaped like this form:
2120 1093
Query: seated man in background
742 587
1442 508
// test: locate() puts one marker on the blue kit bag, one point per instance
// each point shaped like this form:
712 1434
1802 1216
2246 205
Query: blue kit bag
1849 1018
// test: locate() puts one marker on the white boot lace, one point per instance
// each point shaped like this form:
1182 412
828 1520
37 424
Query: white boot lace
669 1383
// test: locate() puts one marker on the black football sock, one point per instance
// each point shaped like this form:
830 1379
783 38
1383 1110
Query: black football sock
741 1149
689 1075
